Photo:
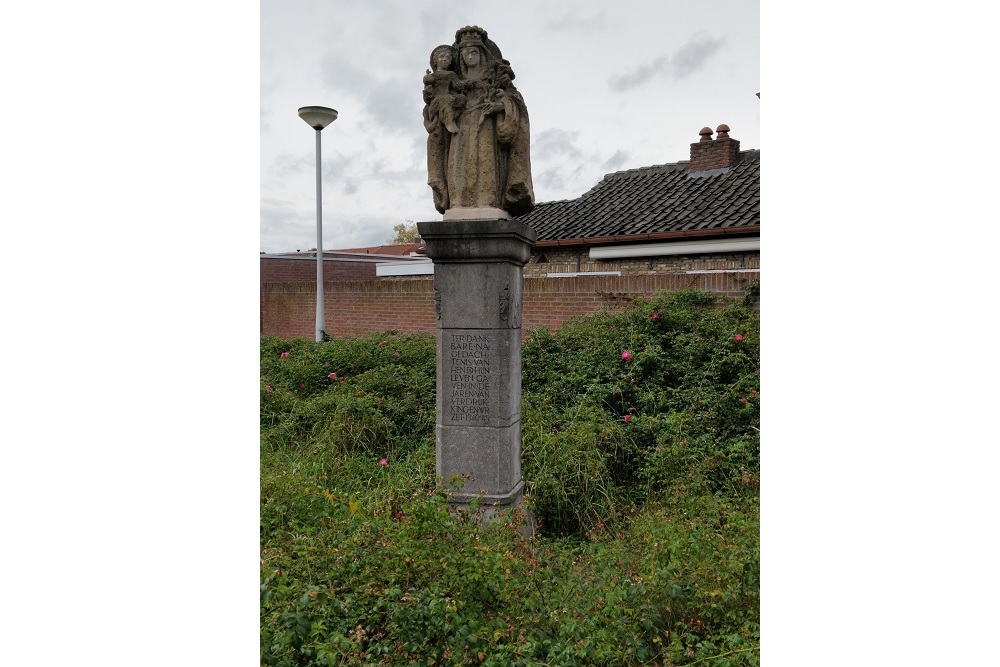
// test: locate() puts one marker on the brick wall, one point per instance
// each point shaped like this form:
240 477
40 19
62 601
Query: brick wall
295 270
575 260
358 307
303 270
550 302
352 307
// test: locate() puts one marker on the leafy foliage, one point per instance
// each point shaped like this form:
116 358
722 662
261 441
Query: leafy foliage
405 233
371 394
647 550
683 407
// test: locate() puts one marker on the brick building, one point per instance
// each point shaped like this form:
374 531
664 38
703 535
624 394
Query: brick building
698 215
693 223
286 279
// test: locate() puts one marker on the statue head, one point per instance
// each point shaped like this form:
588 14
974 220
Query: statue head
438 53
471 55
473 35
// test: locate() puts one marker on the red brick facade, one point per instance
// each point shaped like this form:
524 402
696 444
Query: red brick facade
577 260
288 309
352 307
293 270
303 269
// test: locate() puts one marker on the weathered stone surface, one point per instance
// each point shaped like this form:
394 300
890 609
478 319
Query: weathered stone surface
493 295
488 460
479 378
487 241
478 154
478 285
484 213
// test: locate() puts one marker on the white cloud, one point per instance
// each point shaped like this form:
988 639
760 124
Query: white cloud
607 88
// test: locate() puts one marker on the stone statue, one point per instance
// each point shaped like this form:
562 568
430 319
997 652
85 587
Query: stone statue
438 88
477 125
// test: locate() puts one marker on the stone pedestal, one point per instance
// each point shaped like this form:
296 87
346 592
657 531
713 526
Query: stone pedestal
477 288
484 213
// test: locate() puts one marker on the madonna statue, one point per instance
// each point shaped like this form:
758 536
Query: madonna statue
477 125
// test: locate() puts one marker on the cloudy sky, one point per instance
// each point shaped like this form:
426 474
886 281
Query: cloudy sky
608 86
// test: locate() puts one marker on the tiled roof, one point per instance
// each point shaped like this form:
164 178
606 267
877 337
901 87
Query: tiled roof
659 200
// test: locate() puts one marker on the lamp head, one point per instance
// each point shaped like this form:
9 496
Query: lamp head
318 117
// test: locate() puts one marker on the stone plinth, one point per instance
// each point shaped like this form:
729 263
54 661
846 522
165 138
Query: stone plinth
483 213
477 290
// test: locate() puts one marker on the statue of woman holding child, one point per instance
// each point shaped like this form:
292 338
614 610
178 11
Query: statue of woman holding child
477 125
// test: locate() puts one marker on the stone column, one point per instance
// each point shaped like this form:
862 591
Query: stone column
477 288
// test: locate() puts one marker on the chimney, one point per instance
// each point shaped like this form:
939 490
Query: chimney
714 154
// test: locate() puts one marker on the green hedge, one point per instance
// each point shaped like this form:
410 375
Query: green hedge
642 473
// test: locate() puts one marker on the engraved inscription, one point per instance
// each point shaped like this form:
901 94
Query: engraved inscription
470 378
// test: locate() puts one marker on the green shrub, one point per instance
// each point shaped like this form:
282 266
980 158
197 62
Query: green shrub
373 394
642 472
683 405
421 582
576 469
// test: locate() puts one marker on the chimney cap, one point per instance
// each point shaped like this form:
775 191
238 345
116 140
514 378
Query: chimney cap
706 133
723 131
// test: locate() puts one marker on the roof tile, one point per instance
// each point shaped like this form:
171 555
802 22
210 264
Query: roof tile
655 199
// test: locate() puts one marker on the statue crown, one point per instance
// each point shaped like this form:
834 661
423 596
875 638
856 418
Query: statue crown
471 35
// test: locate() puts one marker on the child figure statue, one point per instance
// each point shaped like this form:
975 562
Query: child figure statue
439 88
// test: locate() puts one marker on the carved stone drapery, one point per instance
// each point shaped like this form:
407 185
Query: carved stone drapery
478 155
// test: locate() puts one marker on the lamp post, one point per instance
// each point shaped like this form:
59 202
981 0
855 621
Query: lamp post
318 118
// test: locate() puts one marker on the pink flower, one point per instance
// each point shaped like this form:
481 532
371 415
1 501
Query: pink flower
628 418
739 338
269 389
656 315
626 355
753 392
384 463
743 400
302 385
332 376
284 354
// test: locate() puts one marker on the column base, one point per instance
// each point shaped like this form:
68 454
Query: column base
500 500
489 505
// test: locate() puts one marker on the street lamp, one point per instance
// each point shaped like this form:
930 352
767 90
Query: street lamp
318 118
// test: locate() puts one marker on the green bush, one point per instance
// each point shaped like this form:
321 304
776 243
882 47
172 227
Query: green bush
373 394
683 406
642 473
424 583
